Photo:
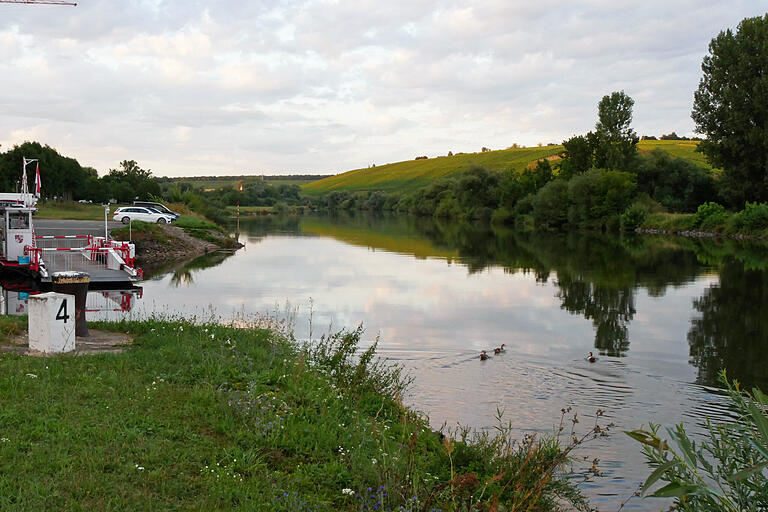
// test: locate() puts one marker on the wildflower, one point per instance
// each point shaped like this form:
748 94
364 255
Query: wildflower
212 335
4 440
373 461
32 375
140 468
347 491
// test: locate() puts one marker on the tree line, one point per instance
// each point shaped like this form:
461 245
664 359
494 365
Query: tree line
64 178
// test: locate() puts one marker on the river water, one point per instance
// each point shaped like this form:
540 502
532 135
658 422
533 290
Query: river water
663 315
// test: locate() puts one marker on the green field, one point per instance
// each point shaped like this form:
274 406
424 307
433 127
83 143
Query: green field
413 174
678 148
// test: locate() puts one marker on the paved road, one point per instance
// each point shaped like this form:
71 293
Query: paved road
47 227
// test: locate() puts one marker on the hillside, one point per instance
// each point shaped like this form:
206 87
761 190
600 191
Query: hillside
416 173
413 174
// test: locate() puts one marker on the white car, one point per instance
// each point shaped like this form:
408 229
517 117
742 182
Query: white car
127 214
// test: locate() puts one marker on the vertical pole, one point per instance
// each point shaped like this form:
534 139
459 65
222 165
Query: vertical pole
130 230
106 214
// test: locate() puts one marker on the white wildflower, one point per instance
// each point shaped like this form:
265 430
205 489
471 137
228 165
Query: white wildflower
347 491
4 440
32 375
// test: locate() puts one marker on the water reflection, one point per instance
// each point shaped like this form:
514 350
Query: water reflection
731 330
184 276
14 298
666 314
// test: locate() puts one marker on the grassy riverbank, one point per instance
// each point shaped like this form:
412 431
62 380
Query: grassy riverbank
713 220
70 210
213 417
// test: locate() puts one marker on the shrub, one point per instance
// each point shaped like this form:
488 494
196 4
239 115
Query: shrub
726 471
550 205
502 215
633 217
710 214
754 216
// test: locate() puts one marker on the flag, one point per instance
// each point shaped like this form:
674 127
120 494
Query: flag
37 181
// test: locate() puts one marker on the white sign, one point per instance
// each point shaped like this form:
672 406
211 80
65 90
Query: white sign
52 323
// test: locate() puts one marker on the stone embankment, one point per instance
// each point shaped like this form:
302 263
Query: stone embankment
697 234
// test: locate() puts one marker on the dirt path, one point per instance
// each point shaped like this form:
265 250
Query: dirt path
98 342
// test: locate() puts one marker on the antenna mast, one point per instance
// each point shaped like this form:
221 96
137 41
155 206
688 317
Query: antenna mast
49 2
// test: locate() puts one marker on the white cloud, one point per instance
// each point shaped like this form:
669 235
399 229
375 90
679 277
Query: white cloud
325 86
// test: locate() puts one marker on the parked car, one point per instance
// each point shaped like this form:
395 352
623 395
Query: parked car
159 207
127 214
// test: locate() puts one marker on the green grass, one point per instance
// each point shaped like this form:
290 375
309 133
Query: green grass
729 224
678 148
412 174
671 221
191 222
213 417
70 210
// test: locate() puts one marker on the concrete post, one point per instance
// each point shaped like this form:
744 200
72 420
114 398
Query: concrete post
74 283
51 324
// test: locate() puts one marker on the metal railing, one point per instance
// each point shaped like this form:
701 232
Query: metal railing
63 241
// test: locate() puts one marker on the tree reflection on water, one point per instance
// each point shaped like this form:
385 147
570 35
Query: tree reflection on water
732 329
598 277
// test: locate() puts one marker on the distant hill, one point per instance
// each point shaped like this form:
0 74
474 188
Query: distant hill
219 182
412 174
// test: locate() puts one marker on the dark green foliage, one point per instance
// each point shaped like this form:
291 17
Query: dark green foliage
613 144
131 182
579 151
61 176
550 205
616 140
633 217
598 196
731 109
677 184
65 178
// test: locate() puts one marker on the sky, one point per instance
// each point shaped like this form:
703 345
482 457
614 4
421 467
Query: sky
221 87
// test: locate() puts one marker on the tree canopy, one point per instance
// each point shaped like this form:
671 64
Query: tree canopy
612 145
731 109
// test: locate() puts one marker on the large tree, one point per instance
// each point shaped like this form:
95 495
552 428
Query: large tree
731 109
617 140
612 145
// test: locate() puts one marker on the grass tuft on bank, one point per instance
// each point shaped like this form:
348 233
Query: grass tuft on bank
212 417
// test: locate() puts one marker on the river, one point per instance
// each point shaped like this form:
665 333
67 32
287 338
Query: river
663 315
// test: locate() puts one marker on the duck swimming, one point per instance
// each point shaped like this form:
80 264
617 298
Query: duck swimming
591 358
499 350
483 356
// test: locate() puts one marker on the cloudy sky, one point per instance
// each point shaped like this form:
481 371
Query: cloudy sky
190 87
